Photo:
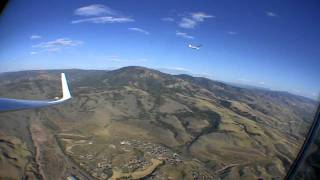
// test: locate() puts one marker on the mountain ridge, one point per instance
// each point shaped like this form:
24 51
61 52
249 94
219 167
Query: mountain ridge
72 70
190 125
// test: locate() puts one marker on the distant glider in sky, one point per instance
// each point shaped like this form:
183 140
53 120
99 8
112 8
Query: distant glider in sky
7 104
197 47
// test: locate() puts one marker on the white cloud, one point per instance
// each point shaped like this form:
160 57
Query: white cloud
271 14
34 37
168 19
95 10
56 45
200 16
187 23
103 20
184 35
194 19
139 30
99 14
232 33
33 53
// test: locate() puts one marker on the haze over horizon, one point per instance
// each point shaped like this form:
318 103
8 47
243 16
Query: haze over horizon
267 44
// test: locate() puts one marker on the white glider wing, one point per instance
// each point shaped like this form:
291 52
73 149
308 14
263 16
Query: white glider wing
7 104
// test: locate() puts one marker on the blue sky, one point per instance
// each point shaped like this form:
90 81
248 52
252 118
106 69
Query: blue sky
272 44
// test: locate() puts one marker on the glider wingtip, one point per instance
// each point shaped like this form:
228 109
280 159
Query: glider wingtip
65 89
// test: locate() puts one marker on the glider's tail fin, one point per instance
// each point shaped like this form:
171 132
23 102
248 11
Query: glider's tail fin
65 89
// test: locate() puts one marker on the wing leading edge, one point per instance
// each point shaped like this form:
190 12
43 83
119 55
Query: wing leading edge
7 104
